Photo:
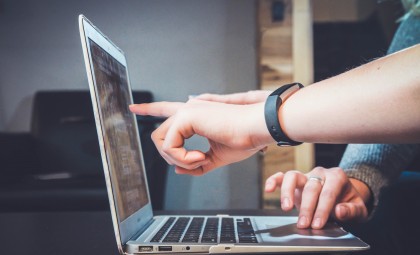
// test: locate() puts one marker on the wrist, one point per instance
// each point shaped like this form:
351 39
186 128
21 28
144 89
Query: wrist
273 117
259 133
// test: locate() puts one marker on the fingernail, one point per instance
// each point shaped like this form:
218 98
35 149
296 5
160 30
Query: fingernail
302 221
285 203
317 223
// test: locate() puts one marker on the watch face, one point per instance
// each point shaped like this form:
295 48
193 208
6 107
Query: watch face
288 144
288 90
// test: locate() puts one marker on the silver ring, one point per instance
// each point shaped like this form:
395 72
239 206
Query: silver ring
316 178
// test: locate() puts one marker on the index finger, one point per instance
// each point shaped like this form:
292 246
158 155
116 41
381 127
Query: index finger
157 109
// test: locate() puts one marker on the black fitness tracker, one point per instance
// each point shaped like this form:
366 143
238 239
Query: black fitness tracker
271 108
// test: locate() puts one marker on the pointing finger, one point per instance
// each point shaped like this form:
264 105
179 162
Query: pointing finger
157 109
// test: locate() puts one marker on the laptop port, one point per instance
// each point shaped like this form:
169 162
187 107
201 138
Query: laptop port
145 248
165 248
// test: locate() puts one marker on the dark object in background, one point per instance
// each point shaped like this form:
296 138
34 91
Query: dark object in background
277 11
58 167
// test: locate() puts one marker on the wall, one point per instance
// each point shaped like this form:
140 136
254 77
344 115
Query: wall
343 10
174 49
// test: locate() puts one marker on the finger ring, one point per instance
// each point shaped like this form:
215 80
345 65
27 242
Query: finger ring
316 178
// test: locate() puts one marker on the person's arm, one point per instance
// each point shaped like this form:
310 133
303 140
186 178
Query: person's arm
376 102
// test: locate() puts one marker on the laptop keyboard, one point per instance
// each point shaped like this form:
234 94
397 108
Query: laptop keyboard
209 230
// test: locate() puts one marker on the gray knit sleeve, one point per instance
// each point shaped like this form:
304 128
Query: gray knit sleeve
377 165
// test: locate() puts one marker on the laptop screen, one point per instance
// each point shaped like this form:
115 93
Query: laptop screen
121 142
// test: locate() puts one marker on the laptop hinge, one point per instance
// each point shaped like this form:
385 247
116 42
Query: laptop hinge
141 231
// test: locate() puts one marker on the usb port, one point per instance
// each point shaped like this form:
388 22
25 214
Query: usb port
165 248
145 248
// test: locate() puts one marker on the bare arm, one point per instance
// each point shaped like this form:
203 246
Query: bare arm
378 102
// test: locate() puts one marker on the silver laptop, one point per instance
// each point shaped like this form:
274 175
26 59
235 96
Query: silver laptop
137 230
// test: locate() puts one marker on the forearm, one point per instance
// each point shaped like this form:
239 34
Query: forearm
376 102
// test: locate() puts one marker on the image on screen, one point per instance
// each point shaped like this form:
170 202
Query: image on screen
119 132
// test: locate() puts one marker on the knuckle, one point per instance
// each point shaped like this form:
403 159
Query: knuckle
154 133
183 113
352 211
291 174
273 175
337 171
328 194
318 169
322 213
270 179
276 175
341 177
361 211
310 188
305 211
154 136
166 149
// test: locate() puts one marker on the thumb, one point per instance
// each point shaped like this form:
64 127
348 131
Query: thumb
350 211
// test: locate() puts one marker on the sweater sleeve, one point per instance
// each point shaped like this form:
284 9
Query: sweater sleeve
377 165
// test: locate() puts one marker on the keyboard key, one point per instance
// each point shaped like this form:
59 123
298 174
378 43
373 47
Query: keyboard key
194 230
246 232
227 233
210 233
174 235
158 236
174 229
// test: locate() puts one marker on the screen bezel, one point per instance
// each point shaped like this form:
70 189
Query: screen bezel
127 228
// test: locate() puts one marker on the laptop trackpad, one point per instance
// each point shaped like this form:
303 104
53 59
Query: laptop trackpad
284 230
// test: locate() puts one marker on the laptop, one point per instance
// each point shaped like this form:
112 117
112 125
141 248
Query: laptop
137 230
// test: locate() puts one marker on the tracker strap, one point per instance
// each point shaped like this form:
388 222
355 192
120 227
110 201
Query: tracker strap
271 108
